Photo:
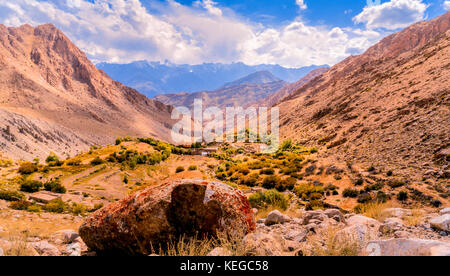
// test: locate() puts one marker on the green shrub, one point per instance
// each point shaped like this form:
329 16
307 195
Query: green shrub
21 205
180 169
396 184
28 168
307 191
53 160
350 193
193 168
271 198
359 182
11 195
286 184
74 163
271 182
55 187
364 198
78 209
34 209
268 171
390 173
250 180
56 206
30 186
402 196
97 161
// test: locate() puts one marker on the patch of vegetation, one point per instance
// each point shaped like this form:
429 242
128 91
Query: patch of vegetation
55 187
309 192
21 205
192 168
179 169
270 198
402 196
97 161
30 186
28 168
56 206
352 193
396 184
11 195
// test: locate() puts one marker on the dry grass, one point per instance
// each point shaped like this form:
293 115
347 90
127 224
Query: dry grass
327 243
376 210
416 217
195 246
18 246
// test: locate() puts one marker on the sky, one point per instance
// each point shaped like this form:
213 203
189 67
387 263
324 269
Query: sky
291 33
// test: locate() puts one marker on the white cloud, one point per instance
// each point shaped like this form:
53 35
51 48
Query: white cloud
446 5
301 4
392 15
124 30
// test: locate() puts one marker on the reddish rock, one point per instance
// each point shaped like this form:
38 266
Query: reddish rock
159 214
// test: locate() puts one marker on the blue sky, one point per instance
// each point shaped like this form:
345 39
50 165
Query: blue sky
291 33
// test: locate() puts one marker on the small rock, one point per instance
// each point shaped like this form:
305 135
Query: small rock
441 223
391 225
335 214
45 249
444 211
359 219
401 234
73 250
276 217
297 236
261 221
314 215
219 252
407 247
2 253
66 236
259 244
396 212
255 211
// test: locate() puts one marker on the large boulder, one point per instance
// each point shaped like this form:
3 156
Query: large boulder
162 213
407 247
441 223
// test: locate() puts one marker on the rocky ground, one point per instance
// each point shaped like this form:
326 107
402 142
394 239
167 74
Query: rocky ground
296 232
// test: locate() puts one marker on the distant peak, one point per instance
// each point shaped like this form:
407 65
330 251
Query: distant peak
261 77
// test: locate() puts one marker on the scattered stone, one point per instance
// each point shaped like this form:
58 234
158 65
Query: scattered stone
261 244
297 235
359 219
358 233
391 225
73 250
335 214
66 236
314 215
396 212
310 170
45 249
155 215
441 223
276 217
407 247
401 234
444 211
261 221
334 169
219 252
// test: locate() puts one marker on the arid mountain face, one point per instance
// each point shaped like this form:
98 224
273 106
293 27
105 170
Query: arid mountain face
288 89
52 98
388 108
242 92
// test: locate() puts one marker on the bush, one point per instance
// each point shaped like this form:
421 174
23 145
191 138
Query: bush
307 191
193 168
21 205
97 161
28 168
287 184
56 206
271 182
34 209
53 160
271 198
180 169
74 163
350 193
402 196
55 187
78 209
250 180
396 184
30 186
390 173
374 187
11 195
269 171
364 198
359 182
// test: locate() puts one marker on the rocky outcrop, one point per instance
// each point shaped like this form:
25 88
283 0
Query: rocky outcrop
162 213
407 247
441 223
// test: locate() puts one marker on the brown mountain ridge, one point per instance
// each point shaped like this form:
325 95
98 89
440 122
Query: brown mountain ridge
52 98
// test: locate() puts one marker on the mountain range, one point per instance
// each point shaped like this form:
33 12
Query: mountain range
153 78
52 98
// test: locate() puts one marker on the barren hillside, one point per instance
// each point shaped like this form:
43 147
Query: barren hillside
387 109
52 98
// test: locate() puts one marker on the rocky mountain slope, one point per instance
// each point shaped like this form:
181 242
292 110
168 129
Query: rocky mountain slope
288 89
385 110
52 98
242 92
